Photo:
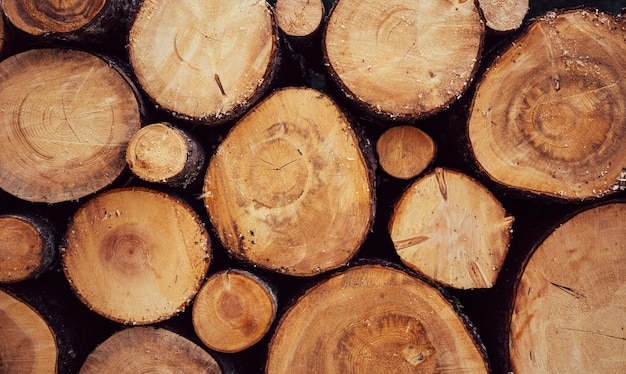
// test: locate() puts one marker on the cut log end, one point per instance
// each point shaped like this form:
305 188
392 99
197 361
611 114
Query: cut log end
164 154
451 229
208 81
289 188
38 17
27 343
67 118
388 56
568 311
136 256
27 247
405 151
233 311
548 116
504 15
148 349
371 319
299 18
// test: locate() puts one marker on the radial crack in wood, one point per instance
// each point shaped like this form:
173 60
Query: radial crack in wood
569 310
548 116
373 319
136 256
389 56
204 60
289 189
66 121
27 343
450 228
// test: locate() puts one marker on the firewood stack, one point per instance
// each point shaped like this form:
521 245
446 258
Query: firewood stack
305 186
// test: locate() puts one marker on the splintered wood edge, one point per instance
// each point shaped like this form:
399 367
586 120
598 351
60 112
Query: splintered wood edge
467 246
372 310
566 314
27 247
28 344
233 310
37 17
100 229
148 349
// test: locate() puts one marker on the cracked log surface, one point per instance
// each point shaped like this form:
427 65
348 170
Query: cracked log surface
548 116
569 309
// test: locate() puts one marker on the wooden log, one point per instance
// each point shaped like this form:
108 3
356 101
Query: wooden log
27 343
389 57
27 247
219 56
450 228
66 120
504 15
289 189
146 350
233 310
136 256
299 19
162 153
405 151
96 24
568 312
548 116
373 319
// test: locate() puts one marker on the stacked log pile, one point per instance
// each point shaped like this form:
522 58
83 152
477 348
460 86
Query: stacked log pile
312 186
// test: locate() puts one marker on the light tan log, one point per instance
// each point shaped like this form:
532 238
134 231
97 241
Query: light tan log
390 57
233 310
149 350
27 247
299 18
37 17
373 319
289 189
66 120
27 343
405 151
136 256
569 311
204 60
450 228
504 15
162 153
548 117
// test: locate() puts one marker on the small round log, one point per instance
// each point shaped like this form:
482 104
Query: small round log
38 17
299 18
233 310
205 61
139 350
373 319
161 153
27 343
27 247
549 115
136 256
568 314
289 188
450 228
66 121
504 15
405 151
403 60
